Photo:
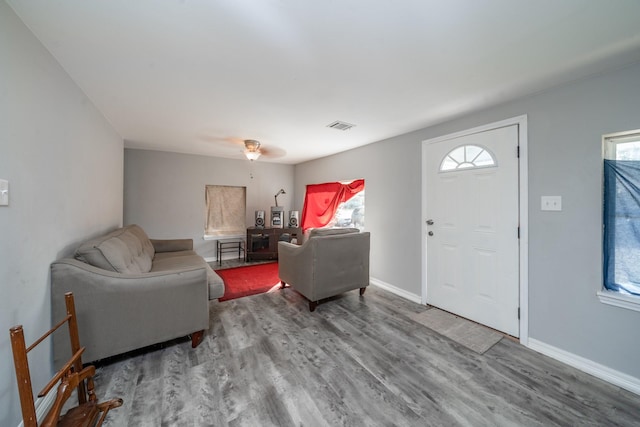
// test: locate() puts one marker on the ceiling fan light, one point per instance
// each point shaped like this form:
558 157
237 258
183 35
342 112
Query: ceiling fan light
252 155
252 150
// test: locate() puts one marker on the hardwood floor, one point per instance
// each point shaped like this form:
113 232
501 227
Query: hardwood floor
355 361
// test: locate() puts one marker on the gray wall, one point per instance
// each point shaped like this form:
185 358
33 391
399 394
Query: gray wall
164 192
64 164
391 170
565 129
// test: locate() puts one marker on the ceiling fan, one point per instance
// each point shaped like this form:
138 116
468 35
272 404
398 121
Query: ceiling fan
253 149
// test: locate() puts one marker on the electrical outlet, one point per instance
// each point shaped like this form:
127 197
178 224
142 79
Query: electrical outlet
4 192
551 203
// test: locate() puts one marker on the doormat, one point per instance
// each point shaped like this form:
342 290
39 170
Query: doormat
251 280
470 334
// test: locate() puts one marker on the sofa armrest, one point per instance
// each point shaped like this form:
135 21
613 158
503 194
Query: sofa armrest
122 312
172 245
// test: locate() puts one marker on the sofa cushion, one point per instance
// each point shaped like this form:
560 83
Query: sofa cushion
165 255
147 246
165 261
125 250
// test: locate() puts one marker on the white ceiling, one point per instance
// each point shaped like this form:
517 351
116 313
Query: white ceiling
195 76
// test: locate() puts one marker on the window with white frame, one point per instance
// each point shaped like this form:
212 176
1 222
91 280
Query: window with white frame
621 219
334 204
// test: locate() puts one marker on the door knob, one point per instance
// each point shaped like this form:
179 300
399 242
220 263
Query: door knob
429 222
430 233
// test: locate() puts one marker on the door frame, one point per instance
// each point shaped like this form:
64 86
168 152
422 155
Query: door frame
523 209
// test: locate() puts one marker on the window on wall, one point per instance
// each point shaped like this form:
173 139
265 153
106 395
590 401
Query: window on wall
334 204
225 210
350 213
621 219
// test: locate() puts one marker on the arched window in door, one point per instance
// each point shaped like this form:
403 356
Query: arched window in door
467 157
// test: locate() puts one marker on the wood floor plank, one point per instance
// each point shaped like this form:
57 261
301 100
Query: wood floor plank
355 361
407 381
144 411
352 378
301 374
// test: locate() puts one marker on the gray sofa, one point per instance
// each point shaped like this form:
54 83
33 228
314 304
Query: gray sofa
328 263
131 292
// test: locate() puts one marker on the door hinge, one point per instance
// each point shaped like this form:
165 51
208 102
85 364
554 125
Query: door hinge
518 232
518 151
518 313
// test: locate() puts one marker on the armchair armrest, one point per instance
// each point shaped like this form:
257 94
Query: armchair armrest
172 245
295 265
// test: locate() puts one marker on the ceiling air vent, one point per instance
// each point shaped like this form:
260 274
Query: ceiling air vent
340 125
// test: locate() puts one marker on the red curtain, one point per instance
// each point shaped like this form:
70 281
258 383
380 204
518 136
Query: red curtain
322 200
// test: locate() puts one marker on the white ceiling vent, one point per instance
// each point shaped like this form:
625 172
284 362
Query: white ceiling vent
340 125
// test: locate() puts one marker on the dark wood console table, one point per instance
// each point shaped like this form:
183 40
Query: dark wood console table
262 243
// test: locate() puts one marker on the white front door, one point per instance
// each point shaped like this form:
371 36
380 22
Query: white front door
471 193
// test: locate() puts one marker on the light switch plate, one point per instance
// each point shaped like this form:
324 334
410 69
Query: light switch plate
4 192
551 203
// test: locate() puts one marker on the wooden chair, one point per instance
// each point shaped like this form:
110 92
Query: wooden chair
71 376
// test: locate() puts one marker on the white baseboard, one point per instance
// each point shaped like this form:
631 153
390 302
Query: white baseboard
43 405
395 290
605 373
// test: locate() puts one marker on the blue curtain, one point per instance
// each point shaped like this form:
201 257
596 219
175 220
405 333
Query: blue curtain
621 249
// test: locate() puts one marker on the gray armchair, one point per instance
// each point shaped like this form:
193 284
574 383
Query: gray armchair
328 263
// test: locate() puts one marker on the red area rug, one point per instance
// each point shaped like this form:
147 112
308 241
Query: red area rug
251 280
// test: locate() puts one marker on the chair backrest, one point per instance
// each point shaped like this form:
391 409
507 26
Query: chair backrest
320 232
71 376
340 262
